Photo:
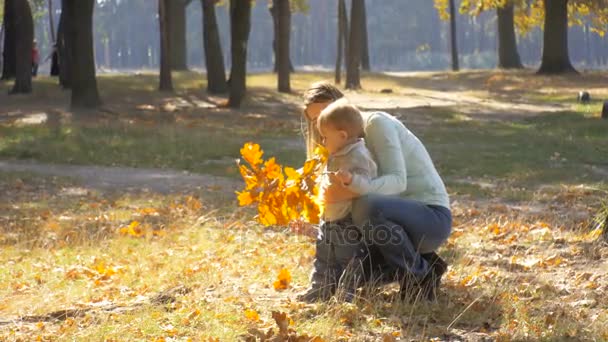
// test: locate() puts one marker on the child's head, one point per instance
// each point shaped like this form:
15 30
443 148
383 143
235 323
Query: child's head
338 124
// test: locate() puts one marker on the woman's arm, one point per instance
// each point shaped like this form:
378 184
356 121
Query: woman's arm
382 138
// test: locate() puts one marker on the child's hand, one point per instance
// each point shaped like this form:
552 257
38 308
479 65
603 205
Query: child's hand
344 177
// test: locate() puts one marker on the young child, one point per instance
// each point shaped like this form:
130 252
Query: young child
340 250
35 58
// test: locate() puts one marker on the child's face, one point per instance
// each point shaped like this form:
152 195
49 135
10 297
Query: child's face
332 139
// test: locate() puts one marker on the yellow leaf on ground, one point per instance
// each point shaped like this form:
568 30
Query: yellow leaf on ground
252 315
283 280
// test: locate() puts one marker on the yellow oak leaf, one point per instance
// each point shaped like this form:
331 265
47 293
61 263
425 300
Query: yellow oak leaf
252 154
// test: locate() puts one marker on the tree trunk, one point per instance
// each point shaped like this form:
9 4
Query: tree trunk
9 66
164 19
453 43
24 37
64 48
240 25
1 42
80 39
214 59
51 22
274 13
176 10
555 58
508 57
588 54
341 43
353 80
364 42
282 56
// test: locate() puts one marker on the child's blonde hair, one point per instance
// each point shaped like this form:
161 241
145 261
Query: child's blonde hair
319 92
343 116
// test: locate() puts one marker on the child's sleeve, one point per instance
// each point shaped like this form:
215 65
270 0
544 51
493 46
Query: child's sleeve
363 167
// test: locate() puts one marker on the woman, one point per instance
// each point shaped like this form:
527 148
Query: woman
405 216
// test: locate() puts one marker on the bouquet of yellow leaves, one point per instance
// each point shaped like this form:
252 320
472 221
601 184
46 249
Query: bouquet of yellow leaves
282 194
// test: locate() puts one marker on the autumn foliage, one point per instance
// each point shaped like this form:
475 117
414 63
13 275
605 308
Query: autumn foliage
282 194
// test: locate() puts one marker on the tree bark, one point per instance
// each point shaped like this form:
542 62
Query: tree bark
555 59
508 57
166 82
176 10
274 13
51 22
453 42
24 37
342 43
353 77
282 56
364 42
79 30
240 25
64 49
214 58
9 66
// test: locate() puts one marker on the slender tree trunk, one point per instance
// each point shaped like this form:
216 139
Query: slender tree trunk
1 44
51 22
353 77
341 40
176 10
64 48
80 33
453 43
434 34
364 42
214 58
24 36
284 16
588 55
166 82
508 57
9 66
240 25
274 13
555 58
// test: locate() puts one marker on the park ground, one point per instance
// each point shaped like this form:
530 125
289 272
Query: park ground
124 225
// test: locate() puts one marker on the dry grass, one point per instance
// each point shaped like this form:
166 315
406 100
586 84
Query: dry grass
524 262
513 274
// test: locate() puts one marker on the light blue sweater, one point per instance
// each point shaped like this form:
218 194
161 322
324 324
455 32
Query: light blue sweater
404 165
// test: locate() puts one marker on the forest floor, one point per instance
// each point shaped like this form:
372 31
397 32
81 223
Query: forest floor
125 226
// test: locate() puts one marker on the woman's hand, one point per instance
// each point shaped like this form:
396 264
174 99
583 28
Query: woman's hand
345 177
336 192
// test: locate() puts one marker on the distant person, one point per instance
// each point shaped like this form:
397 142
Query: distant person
54 57
35 59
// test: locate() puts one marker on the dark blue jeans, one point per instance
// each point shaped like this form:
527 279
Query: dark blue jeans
399 231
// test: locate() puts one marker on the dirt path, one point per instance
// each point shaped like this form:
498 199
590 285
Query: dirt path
124 178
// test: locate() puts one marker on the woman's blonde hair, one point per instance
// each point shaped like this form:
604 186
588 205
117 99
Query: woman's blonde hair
319 92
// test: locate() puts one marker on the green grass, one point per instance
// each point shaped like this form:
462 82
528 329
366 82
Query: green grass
168 146
549 149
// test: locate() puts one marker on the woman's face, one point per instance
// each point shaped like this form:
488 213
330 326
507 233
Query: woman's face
313 111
